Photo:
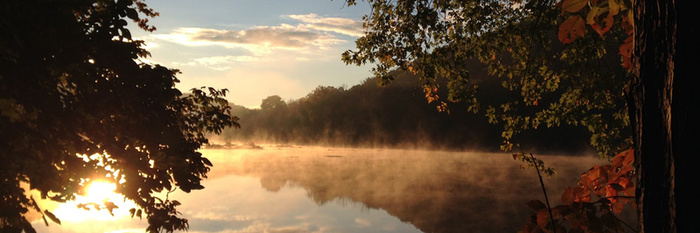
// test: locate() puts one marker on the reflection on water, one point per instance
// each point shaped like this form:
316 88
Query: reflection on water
433 191
284 189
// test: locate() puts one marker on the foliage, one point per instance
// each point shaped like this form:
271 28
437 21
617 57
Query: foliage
547 83
593 204
78 105
600 16
272 103
367 115
555 72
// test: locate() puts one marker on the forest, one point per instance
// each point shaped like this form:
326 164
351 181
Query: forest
396 116
618 76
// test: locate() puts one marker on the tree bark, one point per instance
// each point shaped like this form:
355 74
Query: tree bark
665 115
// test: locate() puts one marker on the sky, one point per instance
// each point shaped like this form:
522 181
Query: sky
256 48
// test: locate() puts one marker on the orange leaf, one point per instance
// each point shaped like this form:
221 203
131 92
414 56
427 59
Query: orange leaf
624 182
610 191
543 218
594 173
626 52
629 154
603 26
573 5
571 29
585 180
568 196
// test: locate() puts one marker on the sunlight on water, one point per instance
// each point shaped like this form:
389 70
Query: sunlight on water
318 189
98 192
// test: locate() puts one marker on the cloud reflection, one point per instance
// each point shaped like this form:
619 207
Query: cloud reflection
284 189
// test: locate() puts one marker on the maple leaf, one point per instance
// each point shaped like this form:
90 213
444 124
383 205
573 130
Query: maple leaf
573 5
571 29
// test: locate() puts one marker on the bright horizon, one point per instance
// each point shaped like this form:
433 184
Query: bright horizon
256 49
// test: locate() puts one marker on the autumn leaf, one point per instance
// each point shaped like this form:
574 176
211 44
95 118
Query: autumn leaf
594 173
601 26
617 187
568 196
543 218
536 205
594 13
614 6
571 29
573 5
629 157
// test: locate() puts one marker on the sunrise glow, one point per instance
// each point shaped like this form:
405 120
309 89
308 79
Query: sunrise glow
92 206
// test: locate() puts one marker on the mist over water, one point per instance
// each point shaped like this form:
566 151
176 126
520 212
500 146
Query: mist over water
430 190
323 189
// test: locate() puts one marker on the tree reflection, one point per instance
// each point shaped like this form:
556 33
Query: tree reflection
434 191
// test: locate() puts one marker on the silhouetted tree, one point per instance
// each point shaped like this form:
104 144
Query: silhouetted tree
665 113
77 105
272 103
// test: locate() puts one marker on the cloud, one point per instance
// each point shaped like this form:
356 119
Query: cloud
343 26
312 34
219 63
259 40
363 222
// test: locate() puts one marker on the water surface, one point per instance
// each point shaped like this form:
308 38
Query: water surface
317 189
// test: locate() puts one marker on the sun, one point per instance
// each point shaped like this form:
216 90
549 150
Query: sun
100 191
92 206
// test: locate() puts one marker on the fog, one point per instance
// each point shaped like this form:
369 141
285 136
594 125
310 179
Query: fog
433 191
394 116
322 189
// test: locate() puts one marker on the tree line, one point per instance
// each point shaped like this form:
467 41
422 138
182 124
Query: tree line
397 115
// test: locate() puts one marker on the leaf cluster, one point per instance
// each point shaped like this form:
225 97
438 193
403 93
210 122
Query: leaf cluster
612 17
547 83
594 204
78 105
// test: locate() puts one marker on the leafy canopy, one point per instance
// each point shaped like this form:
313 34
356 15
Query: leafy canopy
77 105
554 70
547 82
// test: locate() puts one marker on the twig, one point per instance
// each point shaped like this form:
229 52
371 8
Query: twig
546 199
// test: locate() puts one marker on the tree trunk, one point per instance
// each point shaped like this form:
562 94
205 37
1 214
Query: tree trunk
665 115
